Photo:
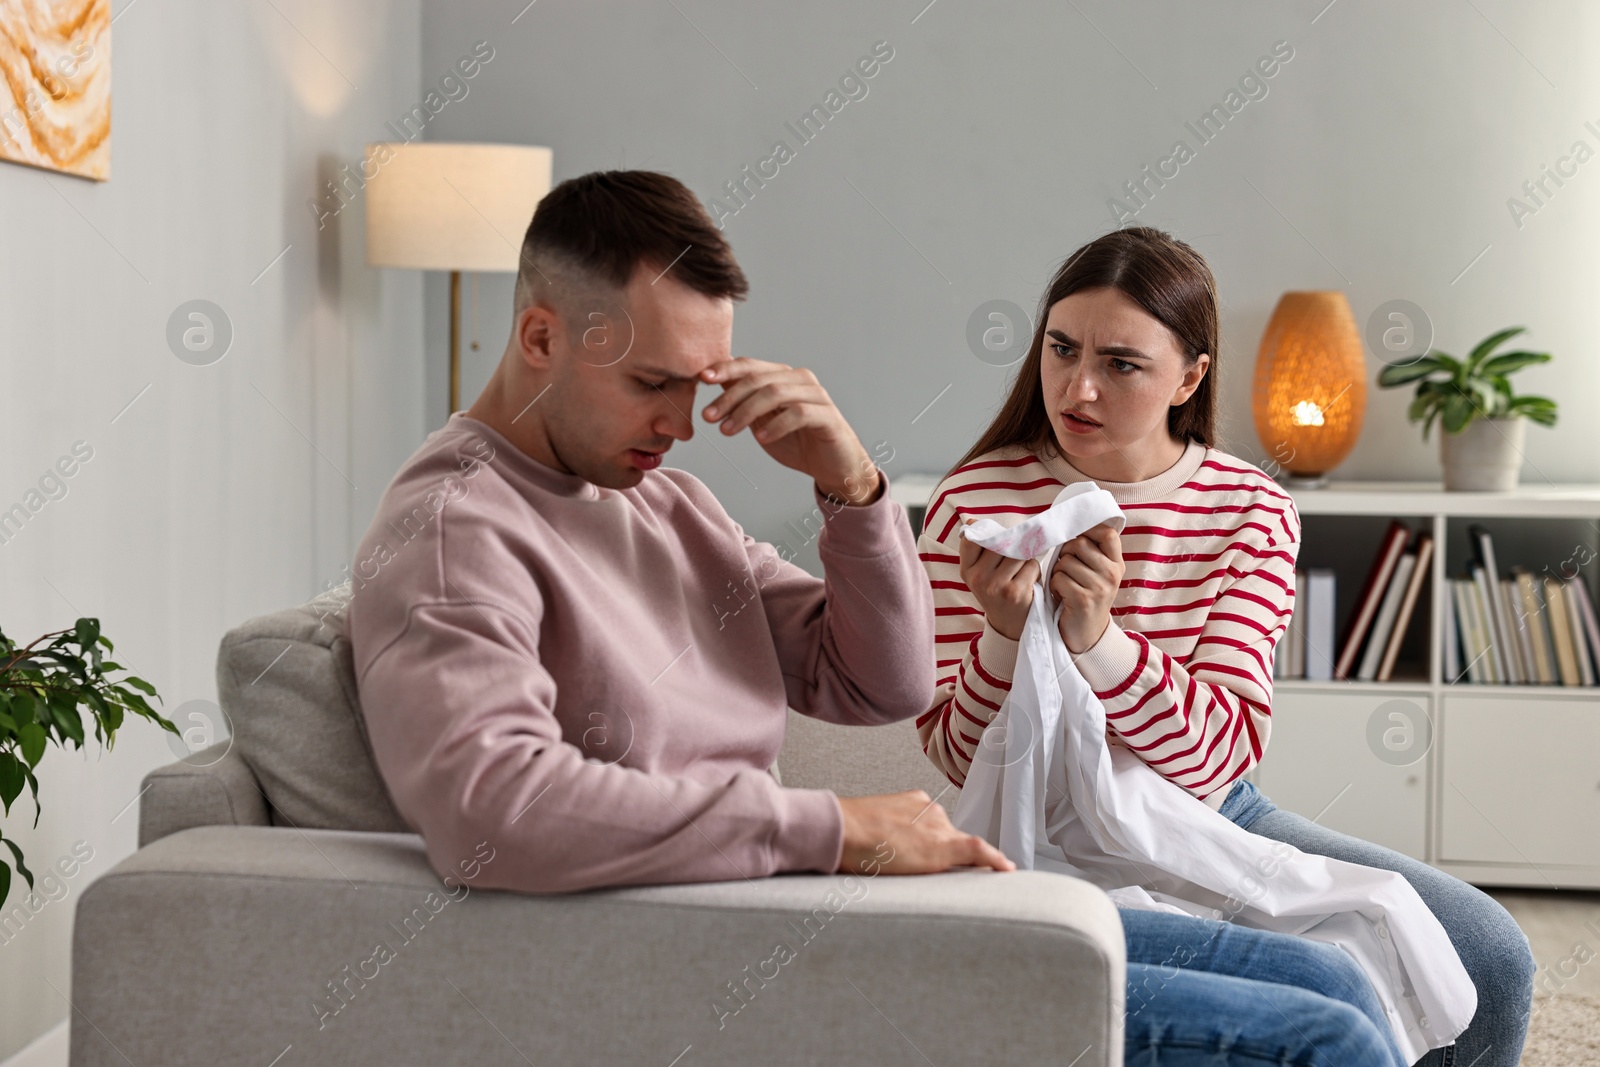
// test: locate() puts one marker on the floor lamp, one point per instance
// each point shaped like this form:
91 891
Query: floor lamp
454 207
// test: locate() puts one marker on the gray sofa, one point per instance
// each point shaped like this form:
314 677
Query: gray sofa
278 912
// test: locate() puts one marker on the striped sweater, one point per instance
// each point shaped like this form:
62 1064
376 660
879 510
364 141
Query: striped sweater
1184 667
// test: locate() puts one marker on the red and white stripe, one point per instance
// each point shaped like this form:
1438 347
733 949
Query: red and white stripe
1185 667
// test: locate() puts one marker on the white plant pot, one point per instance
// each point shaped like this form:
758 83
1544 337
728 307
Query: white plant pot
1485 456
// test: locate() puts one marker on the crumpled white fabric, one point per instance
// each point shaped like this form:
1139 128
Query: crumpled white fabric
1049 791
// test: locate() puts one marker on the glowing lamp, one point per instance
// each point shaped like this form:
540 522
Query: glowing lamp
1310 386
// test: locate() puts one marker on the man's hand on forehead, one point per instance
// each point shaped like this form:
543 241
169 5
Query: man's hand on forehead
796 421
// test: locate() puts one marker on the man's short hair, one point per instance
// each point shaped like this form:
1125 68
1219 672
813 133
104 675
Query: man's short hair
589 234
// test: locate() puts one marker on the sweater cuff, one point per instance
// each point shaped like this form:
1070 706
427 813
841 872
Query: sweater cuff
997 652
810 832
1110 660
868 530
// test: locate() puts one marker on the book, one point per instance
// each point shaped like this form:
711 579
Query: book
1488 662
1575 623
1522 638
1280 651
1566 658
1388 612
1471 648
1451 635
1544 671
1372 592
1320 590
1586 611
1499 617
1297 665
1281 654
1408 604
1483 607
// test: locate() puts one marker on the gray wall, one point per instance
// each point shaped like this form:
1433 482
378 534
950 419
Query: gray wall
222 491
1379 162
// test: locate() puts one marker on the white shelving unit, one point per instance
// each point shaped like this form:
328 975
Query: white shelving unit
1506 790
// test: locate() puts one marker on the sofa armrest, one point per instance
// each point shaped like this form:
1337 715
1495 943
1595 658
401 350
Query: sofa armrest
347 947
213 787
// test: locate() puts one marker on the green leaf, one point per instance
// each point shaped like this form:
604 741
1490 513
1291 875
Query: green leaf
1541 410
1428 422
1400 373
33 787
1457 413
5 882
11 779
1490 343
72 663
86 631
1449 363
1507 362
67 718
1534 402
139 684
113 717
32 737
22 868
1486 398
1427 398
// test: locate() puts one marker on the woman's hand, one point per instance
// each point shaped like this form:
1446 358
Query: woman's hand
1086 577
1004 586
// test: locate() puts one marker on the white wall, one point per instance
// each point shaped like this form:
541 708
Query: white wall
204 503
1379 162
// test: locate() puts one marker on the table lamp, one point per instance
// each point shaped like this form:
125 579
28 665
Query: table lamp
454 207
1310 388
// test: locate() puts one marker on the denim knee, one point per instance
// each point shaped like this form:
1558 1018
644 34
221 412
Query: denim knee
1342 1035
1338 975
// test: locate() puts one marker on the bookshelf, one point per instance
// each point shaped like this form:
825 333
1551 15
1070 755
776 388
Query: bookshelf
1496 784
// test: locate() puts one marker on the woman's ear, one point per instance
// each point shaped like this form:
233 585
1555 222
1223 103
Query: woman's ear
1192 377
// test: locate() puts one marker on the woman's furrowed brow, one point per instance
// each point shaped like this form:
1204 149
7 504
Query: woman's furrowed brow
1104 350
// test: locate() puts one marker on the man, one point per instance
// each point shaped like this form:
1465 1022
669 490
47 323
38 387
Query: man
548 657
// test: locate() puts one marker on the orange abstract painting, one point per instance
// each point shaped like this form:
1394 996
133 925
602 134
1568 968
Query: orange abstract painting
55 85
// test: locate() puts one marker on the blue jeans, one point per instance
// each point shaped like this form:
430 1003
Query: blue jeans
1492 947
1212 993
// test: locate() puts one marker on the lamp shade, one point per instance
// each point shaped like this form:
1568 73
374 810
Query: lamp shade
448 206
1310 389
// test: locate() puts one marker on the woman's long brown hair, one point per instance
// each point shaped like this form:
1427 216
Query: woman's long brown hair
1165 277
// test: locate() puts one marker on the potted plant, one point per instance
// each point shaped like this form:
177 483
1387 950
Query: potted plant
1481 445
41 690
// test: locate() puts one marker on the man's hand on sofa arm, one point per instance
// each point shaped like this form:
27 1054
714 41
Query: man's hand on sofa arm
907 833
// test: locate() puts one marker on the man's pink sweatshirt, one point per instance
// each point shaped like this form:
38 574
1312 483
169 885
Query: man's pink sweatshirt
594 680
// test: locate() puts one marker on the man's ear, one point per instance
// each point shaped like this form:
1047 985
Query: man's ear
538 333
1192 376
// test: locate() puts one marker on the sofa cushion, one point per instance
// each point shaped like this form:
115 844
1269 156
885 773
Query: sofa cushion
286 682
856 761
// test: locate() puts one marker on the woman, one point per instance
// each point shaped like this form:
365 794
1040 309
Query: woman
1173 621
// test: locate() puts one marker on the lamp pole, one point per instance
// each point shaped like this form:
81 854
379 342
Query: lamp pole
455 342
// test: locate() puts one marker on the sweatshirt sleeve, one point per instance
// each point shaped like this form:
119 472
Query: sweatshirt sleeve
855 646
1202 723
460 715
